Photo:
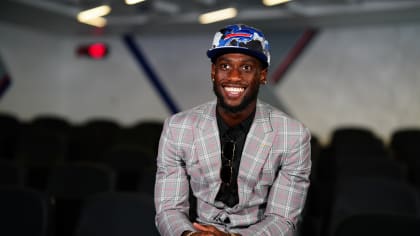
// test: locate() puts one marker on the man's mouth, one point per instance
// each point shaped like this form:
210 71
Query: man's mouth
234 91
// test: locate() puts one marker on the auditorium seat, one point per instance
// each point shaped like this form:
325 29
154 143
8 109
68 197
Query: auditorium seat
70 184
379 225
91 139
41 147
52 123
356 141
11 174
23 212
132 165
377 195
10 130
370 167
145 134
405 143
117 214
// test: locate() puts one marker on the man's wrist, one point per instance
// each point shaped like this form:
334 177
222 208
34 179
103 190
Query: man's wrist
187 233
233 234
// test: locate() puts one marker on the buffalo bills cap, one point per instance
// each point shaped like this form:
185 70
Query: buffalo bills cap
242 39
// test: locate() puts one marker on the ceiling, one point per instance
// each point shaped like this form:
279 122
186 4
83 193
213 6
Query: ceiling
180 16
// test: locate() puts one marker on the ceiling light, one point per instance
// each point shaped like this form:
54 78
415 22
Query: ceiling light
97 22
132 2
218 15
274 2
87 15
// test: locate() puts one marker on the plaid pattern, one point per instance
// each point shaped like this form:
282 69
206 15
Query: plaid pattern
273 176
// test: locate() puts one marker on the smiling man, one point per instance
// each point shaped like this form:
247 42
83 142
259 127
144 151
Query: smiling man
244 162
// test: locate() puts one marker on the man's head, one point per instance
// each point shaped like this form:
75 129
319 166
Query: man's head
240 58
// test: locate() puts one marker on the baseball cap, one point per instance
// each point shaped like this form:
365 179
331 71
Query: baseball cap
240 38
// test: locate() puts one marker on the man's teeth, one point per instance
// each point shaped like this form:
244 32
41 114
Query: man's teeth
234 90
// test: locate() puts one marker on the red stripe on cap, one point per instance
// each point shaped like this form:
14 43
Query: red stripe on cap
228 36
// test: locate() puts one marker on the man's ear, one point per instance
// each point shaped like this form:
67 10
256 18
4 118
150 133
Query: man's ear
263 76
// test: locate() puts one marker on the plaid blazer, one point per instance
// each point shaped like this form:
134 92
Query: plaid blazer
273 176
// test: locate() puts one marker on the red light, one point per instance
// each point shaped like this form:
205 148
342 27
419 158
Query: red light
94 50
97 50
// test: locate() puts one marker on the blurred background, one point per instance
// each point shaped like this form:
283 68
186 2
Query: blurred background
358 67
93 88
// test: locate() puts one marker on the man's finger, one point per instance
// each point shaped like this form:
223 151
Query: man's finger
200 227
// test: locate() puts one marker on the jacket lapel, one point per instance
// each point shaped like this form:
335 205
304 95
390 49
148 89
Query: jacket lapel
256 150
207 146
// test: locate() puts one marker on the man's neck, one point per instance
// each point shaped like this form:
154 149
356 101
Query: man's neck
234 118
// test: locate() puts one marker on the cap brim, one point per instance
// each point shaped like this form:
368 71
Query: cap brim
216 52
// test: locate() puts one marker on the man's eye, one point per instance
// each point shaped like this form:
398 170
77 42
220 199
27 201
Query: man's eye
247 68
224 66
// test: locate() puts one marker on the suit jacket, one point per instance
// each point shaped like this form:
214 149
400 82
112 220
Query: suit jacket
273 176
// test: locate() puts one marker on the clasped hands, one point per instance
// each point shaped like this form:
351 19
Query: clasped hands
208 230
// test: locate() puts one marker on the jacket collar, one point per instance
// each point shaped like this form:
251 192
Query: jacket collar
208 117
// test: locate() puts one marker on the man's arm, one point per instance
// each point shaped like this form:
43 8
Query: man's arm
288 192
172 187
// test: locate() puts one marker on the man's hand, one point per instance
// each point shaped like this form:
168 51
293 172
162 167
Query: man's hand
208 230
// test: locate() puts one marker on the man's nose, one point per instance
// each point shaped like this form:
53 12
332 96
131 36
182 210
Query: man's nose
235 74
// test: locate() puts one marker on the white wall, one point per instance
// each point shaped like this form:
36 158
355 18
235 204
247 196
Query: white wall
48 77
31 71
365 76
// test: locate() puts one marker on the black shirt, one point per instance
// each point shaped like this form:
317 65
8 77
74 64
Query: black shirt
237 134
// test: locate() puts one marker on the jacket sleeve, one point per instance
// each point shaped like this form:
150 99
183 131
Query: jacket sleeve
171 187
288 192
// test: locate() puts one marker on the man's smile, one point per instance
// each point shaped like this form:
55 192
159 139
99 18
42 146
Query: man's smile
233 92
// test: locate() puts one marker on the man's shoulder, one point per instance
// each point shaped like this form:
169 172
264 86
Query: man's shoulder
274 113
192 115
279 118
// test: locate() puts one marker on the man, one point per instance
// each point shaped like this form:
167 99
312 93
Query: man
246 163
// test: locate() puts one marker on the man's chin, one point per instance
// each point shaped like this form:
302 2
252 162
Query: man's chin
233 108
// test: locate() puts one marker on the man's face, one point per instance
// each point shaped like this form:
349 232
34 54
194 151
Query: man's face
237 78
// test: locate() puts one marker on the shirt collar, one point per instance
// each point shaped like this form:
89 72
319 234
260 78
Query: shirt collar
241 128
